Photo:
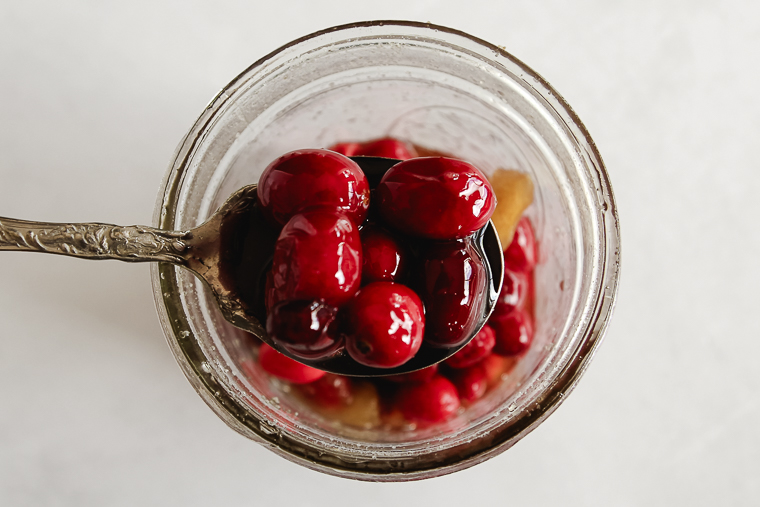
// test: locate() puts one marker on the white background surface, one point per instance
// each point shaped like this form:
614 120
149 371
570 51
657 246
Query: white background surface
95 98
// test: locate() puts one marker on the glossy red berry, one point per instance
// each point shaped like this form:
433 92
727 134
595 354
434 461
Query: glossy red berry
305 179
330 391
428 402
514 332
347 149
386 147
471 383
520 255
285 368
475 351
422 375
308 329
435 197
453 289
384 258
317 256
514 291
385 324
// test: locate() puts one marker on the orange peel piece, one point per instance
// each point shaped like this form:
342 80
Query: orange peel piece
514 193
496 367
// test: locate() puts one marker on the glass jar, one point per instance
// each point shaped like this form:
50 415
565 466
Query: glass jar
444 90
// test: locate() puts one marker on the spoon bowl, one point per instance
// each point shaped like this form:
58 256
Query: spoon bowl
254 252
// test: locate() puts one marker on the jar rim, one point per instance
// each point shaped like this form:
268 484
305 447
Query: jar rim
191 357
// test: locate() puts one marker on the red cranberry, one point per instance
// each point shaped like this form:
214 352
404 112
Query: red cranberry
285 368
383 256
514 332
475 351
304 179
436 198
317 256
347 149
520 255
422 375
385 324
330 391
453 289
471 383
428 402
513 291
308 329
386 147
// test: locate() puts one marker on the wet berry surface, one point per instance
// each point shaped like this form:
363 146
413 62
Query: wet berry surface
436 198
384 325
317 256
513 331
285 368
428 402
307 329
513 290
475 351
521 254
453 283
384 258
305 179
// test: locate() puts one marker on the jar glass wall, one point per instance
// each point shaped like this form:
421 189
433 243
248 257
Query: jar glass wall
443 90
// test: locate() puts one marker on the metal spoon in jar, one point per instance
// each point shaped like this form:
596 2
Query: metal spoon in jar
206 250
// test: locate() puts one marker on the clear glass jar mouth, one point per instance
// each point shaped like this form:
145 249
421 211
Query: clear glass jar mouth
479 445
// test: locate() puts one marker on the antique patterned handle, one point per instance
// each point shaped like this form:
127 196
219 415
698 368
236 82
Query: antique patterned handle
95 241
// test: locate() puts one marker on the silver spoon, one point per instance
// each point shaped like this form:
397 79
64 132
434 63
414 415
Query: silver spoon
205 251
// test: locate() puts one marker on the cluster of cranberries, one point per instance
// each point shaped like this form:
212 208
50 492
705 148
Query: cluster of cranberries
341 280
511 319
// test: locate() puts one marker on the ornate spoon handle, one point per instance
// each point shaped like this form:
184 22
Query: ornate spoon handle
95 241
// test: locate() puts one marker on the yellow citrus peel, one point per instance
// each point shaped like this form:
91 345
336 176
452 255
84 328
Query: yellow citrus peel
363 411
514 193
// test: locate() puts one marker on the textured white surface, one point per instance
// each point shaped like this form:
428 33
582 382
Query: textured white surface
95 98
